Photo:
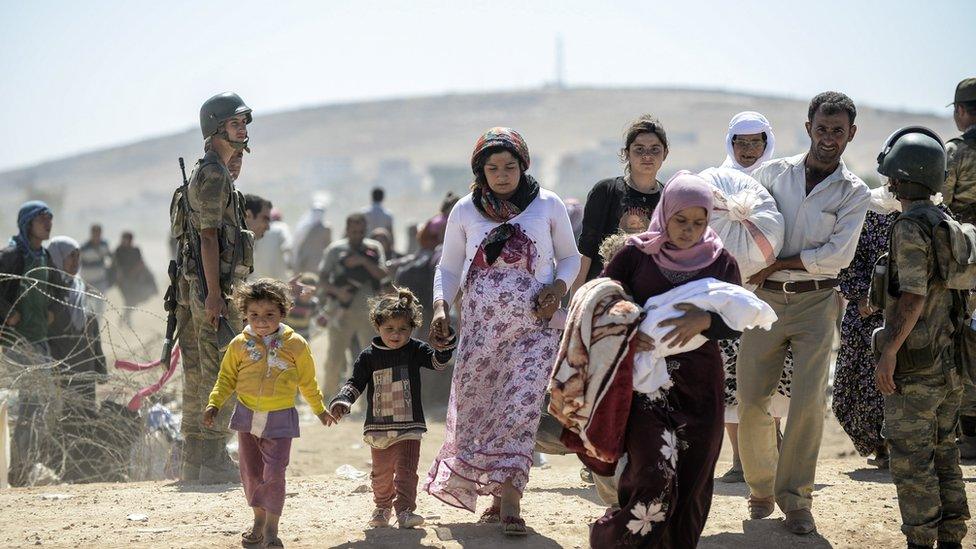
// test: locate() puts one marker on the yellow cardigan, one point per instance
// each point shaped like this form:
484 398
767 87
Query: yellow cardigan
267 381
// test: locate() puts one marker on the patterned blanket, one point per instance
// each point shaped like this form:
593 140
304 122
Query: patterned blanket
592 382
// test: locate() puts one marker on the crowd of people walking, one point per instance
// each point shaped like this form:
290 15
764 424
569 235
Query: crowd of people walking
508 282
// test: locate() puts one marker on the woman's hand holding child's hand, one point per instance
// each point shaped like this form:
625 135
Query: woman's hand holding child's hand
440 327
208 416
692 323
547 301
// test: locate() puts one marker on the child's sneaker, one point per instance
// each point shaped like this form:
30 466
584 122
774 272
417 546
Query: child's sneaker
409 519
380 518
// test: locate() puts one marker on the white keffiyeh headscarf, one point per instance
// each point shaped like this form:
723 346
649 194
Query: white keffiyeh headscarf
745 123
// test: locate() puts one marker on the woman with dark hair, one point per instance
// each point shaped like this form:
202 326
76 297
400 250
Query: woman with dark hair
509 249
624 203
674 433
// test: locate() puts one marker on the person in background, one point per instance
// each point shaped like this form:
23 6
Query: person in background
624 202
575 211
352 271
73 334
96 257
857 403
24 304
385 239
376 215
272 254
312 236
959 193
434 228
257 215
306 304
132 276
749 142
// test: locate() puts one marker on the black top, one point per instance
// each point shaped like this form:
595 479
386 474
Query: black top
611 204
391 378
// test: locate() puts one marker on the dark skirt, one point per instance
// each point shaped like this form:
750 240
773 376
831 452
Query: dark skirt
672 443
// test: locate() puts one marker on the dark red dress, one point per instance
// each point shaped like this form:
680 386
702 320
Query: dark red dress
673 441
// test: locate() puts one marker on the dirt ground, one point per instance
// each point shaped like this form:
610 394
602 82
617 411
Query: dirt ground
855 507
854 504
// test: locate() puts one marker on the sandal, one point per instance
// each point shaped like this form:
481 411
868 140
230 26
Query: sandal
275 543
514 526
249 538
492 515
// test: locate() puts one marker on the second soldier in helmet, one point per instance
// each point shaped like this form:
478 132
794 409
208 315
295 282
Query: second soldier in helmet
916 370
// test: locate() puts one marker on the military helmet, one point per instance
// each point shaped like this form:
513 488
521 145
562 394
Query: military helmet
218 109
914 154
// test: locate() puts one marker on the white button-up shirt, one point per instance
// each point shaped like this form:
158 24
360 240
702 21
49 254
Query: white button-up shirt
822 227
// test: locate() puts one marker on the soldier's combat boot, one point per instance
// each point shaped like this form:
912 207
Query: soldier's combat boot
967 437
967 447
217 467
190 460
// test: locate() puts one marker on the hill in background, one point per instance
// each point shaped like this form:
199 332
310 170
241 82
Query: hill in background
417 149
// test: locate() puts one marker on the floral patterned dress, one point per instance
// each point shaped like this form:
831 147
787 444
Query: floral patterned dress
857 403
505 356
674 436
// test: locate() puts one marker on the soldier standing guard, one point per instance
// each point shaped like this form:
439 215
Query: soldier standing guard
959 193
916 370
215 254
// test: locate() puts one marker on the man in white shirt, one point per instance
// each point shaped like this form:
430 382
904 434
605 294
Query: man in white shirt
823 206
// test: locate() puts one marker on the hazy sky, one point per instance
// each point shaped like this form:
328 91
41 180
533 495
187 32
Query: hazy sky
82 75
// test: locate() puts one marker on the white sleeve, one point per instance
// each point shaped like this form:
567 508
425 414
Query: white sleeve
447 276
565 252
837 253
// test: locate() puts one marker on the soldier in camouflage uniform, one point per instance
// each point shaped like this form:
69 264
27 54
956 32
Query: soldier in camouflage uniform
915 371
216 253
959 193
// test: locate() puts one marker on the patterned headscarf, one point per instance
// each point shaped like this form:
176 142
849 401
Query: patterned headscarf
683 190
507 138
490 205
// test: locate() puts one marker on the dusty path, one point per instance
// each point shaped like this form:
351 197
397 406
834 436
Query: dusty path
855 507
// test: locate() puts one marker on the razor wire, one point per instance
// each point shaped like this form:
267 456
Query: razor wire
71 424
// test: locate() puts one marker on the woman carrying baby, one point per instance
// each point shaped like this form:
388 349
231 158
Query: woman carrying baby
674 433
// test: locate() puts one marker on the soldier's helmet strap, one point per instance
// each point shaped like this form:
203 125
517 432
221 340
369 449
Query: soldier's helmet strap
237 145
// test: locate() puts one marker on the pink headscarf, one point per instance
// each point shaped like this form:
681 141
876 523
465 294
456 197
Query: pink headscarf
683 190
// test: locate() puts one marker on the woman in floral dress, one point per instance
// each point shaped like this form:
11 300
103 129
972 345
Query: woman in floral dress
509 247
673 435
857 403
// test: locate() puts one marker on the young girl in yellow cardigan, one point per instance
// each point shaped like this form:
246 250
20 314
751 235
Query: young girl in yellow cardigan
266 365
